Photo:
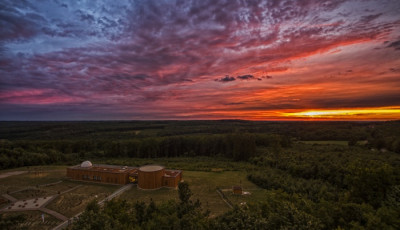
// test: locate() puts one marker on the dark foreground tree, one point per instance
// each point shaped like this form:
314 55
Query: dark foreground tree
119 214
12 222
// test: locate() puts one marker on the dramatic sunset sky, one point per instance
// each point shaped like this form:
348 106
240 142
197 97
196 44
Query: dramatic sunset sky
206 59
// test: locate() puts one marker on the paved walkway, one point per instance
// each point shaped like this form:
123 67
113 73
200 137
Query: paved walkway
40 203
223 198
10 198
35 204
22 205
116 193
7 174
54 213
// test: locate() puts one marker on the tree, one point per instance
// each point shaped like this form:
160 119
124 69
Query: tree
12 222
352 142
184 192
369 182
92 218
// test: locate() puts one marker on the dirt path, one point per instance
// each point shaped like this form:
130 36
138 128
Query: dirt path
14 173
116 193
35 204
223 198
10 198
54 213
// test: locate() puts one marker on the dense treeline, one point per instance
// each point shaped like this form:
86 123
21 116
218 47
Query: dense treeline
279 210
35 143
340 186
234 146
324 162
118 130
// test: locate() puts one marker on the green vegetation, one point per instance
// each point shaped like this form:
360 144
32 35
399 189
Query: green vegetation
12 221
344 143
32 178
119 214
300 175
71 203
29 220
203 186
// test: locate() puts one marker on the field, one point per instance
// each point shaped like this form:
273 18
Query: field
71 197
32 178
203 185
343 143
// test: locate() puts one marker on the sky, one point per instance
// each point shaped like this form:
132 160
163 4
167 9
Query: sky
206 59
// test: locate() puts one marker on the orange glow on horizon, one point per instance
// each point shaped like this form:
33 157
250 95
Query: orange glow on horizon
383 113
345 114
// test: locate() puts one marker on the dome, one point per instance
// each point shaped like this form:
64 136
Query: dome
86 164
150 168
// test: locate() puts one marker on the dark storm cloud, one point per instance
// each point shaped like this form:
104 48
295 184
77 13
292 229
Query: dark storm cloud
371 17
242 77
395 45
226 79
394 69
85 16
245 77
235 103
16 26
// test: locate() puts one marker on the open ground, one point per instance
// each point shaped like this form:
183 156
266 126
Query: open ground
46 188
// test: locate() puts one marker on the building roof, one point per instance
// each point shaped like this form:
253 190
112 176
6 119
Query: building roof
172 173
151 168
86 164
105 168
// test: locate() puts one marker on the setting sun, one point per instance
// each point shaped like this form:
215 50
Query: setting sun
385 113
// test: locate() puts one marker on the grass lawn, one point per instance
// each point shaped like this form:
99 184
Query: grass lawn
202 184
34 177
254 196
342 143
157 196
42 191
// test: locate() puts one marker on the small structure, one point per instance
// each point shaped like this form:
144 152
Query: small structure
147 177
237 190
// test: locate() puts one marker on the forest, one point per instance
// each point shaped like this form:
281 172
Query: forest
318 175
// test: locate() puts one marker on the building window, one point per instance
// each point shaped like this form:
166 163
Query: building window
99 177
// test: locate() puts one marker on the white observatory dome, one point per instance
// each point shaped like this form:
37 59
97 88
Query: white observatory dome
86 164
